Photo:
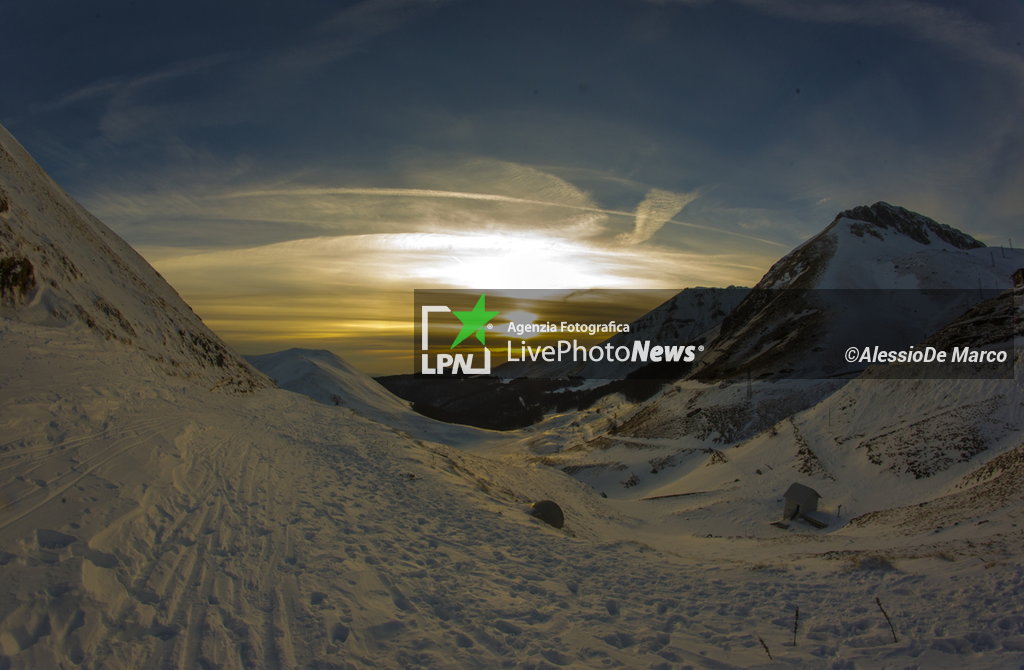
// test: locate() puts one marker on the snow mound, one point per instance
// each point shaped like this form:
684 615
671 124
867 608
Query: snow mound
326 378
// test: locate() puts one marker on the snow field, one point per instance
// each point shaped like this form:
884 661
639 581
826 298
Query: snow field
174 527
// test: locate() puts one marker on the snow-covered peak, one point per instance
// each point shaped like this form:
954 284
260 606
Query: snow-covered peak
866 269
883 246
60 267
882 219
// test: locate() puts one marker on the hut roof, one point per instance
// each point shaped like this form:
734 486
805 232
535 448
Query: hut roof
800 490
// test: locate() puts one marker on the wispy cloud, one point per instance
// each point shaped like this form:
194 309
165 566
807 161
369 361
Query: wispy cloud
195 208
333 39
346 31
126 85
657 208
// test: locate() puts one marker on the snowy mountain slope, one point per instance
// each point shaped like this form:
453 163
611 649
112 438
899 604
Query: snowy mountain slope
880 273
882 235
939 433
61 267
894 453
990 491
631 451
866 271
910 471
637 450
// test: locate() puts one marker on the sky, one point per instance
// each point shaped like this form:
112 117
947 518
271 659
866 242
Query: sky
297 171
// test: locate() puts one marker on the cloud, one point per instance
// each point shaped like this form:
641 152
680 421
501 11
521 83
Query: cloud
657 208
121 87
346 31
578 226
244 75
352 292
214 205
498 197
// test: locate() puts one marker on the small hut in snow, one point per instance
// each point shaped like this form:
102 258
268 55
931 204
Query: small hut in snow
1018 278
800 501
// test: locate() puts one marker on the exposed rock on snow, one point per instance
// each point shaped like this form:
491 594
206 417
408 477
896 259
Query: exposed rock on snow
549 512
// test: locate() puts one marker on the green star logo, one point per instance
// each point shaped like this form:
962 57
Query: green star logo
474 322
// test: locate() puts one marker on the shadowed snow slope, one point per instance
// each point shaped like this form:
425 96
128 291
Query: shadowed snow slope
61 267
150 520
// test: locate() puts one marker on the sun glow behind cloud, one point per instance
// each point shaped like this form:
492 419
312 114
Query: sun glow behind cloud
509 259
353 293
344 276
